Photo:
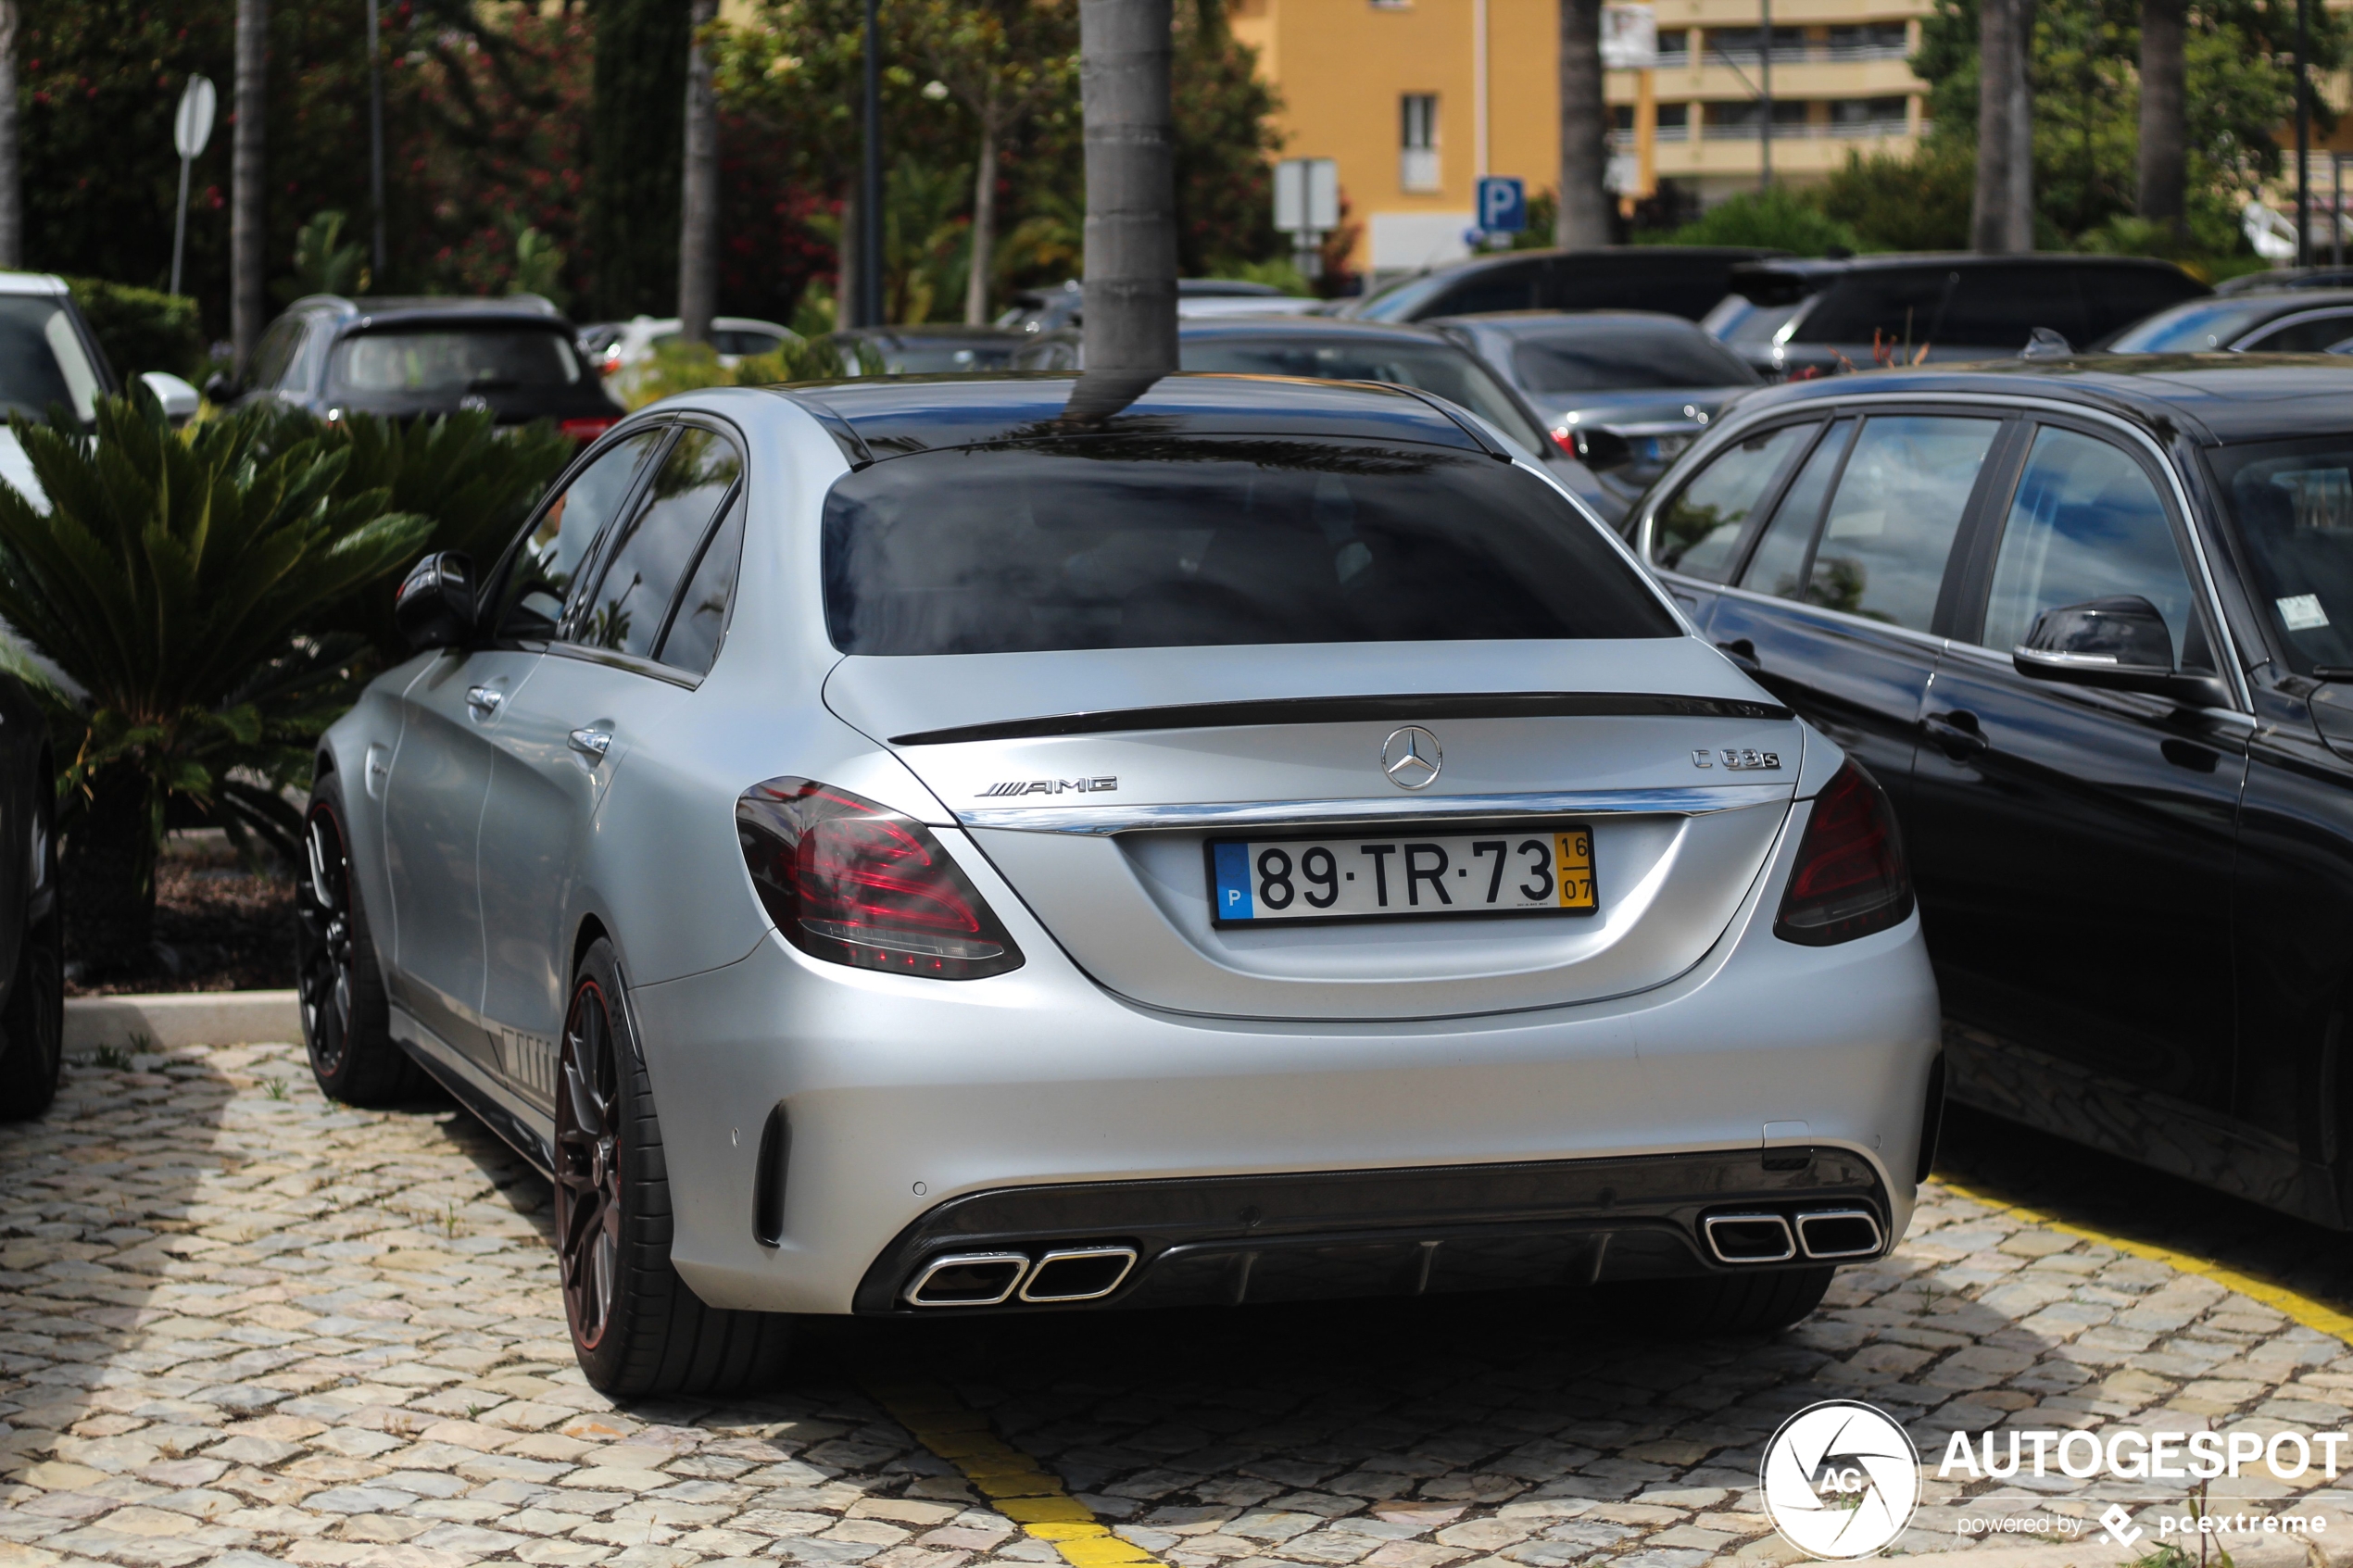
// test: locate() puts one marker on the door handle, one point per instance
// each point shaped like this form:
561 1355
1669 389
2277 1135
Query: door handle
1956 733
483 701
1743 653
592 744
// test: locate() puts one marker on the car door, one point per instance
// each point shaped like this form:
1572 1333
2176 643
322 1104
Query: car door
2072 848
1840 605
627 653
440 777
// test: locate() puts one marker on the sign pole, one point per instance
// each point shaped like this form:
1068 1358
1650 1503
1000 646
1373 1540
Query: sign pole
191 129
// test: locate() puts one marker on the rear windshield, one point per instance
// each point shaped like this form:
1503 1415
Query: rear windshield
454 359
1116 542
1436 366
1625 355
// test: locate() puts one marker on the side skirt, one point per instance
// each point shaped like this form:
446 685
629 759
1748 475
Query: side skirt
499 1108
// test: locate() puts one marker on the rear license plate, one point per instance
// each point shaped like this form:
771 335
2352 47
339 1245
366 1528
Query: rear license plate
1518 869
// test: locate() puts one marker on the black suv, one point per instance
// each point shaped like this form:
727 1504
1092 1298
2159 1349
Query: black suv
405 357
2090 622
1799 318
1683 281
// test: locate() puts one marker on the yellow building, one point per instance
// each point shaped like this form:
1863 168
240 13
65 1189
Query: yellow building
1416 99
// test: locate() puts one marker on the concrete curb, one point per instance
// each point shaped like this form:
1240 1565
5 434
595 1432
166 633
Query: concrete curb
190 1018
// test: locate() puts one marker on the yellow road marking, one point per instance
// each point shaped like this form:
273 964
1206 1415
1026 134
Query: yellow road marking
1015 1485
2300 1309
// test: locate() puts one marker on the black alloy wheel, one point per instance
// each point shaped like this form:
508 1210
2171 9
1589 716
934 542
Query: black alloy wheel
346 1024
635 1326
32 1027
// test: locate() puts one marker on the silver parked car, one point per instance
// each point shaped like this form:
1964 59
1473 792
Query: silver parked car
921 848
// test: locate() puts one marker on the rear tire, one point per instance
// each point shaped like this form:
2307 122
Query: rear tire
346 1027
635 1326
32 1027
1721 1305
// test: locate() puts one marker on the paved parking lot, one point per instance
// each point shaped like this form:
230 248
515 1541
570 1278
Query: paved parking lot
237 1323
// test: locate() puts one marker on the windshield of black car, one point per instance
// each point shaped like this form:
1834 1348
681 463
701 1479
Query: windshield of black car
1152 541
43 361
1434 366
2194 328
2292 502
454 360
1624 356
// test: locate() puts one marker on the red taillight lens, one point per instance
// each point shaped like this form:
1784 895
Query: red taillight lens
1564 440
1850 879
851 882
585 431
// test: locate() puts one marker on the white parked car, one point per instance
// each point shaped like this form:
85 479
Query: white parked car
624 347
999 843
50 359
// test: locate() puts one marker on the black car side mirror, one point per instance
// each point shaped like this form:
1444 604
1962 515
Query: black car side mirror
2119 645
1599 449
434 607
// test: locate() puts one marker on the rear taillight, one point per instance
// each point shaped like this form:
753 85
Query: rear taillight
585 431
851 882
1850 879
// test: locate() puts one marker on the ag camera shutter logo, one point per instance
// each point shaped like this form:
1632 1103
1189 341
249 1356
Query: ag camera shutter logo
1841 1479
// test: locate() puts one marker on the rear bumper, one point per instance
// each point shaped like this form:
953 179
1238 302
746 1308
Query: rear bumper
1227 1240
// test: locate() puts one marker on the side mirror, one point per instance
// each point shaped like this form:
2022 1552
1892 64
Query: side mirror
179 399
434 607
1598 448
2119 645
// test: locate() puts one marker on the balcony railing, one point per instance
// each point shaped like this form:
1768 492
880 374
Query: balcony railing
1806 54
1851 130
1623 141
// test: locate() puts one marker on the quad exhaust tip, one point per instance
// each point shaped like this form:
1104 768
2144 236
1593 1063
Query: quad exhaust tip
1821 1235
991 1279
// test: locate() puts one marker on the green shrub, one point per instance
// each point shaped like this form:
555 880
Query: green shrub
1898 202
1776 219
680 366
142 330
172 577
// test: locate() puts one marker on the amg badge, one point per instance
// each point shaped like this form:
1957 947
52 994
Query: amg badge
1737 759
1050 786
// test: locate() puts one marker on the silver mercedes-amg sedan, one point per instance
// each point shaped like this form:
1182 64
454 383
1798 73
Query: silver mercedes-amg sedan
1042 843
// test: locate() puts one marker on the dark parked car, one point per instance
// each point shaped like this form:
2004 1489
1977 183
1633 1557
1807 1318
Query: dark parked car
1034 312
1799 318
2090 624
1683 281
2272 279
32 924
1652 382
1320 349
2292 321
407 358
933 349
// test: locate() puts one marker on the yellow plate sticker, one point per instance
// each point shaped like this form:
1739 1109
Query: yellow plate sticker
1574 868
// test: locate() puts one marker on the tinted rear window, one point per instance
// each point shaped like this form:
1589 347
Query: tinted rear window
1625 355
454 360
1110 542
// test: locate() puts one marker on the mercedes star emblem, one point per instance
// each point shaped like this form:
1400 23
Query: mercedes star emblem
1410 757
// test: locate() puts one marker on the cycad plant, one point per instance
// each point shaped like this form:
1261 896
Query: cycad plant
171 577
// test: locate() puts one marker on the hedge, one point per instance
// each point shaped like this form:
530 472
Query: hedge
143 330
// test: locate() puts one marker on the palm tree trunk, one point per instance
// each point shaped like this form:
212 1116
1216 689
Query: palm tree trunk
248 175
11 178
1584 213
699 204
2002 219
108 873
984 224
2164 127
1125 51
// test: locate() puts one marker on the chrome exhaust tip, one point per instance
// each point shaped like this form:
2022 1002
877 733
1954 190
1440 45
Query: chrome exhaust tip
1838 1233
1079 1273
1749 1238
968 1279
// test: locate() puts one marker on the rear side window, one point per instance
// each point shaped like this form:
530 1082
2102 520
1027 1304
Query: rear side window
1108 542
1891 526
1508 287
1697 532
630 607
542 573
1777 564
2314 334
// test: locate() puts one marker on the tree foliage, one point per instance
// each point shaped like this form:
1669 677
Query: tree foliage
636 146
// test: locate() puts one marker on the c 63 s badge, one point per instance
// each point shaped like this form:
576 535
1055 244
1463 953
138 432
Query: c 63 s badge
1739 759
1048 787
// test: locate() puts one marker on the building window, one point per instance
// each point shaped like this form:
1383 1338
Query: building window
1870 41
1674 124
1417 142
1867 116
1674 42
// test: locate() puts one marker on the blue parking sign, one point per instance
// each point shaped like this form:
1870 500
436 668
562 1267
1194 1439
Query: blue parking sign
1503 204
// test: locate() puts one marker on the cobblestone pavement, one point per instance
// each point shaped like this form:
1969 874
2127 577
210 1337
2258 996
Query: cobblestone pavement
239 1325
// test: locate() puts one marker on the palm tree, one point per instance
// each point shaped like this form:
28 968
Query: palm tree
1125 51
2164 126
699 204
2002 221
11 182
1583 216
249 173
